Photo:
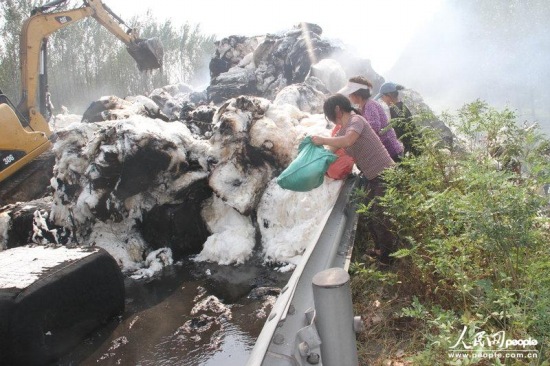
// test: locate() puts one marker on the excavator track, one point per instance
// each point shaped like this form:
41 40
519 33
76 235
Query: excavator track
30 182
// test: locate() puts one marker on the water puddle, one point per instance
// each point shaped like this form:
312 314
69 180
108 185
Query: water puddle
191 314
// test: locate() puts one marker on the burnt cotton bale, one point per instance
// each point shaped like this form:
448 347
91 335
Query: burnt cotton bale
262 66
179 227
112 108
140 170
28 222
231 84
121 170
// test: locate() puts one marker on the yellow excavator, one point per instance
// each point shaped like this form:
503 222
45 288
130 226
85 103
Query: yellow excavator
25 131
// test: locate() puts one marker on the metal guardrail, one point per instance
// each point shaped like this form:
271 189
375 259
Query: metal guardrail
289 336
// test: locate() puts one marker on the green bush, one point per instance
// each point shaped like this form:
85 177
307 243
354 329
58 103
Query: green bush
473 223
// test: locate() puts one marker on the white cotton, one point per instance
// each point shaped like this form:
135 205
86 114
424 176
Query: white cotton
122 241
185 181
60 121
314 124
154 263
211 304
292 263
85 204
5 224
238 118
148 103
247 60
331 73
288 96
39 226
232 239
239 188
302 96
276 136
285 115
289 221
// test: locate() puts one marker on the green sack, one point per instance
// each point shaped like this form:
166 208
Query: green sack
308 170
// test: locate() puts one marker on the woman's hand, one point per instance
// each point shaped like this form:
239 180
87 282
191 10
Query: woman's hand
317 140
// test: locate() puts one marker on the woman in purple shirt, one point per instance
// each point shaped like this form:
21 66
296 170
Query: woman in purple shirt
358 90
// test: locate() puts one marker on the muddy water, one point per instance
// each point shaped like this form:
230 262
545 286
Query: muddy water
191 314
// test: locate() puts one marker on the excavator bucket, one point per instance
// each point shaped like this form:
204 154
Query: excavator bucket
148 53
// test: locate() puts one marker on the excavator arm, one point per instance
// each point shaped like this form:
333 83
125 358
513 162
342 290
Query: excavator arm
25 130
147 53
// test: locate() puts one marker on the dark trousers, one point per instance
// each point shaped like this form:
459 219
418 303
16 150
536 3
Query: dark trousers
378 224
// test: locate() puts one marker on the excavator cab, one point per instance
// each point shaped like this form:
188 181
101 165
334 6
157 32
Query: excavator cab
18 146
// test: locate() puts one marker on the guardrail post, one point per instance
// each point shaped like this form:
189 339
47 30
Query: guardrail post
335 320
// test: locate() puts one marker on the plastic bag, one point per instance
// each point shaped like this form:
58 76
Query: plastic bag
308 170
342 167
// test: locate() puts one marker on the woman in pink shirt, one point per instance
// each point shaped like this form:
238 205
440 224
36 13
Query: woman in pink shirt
360 141
359 91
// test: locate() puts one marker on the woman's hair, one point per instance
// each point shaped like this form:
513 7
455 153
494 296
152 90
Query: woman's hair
329 108
363 93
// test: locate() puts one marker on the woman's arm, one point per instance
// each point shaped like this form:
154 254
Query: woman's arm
337 142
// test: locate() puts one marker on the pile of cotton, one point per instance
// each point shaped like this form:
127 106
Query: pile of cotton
158 177
151 191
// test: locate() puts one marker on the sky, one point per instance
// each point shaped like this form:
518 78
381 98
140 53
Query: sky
373 28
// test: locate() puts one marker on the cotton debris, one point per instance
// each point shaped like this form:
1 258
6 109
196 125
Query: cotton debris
108 174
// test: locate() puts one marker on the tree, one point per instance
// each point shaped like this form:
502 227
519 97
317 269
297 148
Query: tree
12 13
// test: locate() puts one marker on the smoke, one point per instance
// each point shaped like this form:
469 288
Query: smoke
201 76
496 51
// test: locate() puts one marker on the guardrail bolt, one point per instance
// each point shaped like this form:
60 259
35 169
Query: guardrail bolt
313 358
